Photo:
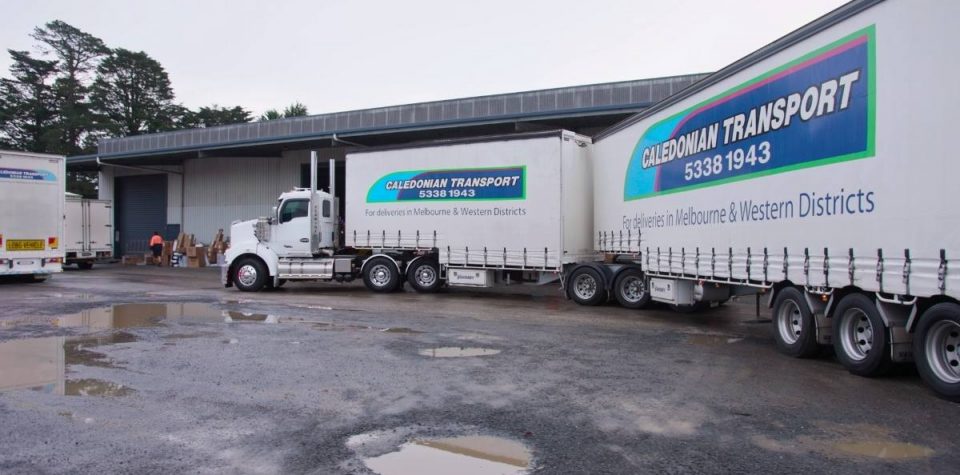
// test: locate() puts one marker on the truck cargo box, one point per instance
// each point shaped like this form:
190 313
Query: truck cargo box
87 230
32 188
823 159
521 201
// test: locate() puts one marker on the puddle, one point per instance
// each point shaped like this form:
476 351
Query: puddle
133 315
400 330
462 455
457 352
235 316
96 387
41 364
885 450
712 340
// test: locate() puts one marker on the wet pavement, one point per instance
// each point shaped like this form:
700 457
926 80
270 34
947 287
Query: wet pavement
141 369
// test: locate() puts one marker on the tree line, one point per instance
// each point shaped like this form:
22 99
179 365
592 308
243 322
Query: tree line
74 90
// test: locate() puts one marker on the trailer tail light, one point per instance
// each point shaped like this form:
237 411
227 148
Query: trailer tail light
53 242
55 260
1 240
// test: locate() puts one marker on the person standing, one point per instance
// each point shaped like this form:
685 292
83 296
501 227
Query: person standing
156 245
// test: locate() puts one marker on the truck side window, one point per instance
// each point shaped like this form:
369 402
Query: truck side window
294 209
326 208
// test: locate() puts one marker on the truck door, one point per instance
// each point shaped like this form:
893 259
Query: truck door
293 229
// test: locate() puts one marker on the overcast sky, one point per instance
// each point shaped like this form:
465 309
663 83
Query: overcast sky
343 55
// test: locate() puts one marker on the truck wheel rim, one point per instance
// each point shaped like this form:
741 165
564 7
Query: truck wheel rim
942 348
425 275
790 322
856 334
632 289
585 286
247 275
380 275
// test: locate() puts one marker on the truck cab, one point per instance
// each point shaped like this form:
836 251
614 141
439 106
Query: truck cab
290 226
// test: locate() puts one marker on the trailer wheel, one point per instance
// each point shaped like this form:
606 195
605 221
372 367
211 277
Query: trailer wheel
424 275
630 289
860 336
250 275
84 265
794 327
936 349
381 275
586 287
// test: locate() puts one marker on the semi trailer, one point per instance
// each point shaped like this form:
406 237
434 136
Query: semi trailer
87 231
477 213
816 171
32 187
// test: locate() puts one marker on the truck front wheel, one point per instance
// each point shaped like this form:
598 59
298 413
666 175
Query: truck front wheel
936 349
585 287
424 275
84 265
630 289
794 327
381 275
250 275
860 336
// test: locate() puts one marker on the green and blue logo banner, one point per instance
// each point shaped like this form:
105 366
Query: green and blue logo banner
816 110
25 174
473 184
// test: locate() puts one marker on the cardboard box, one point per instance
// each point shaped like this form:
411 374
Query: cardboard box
197 261
164 260
192 251
131 260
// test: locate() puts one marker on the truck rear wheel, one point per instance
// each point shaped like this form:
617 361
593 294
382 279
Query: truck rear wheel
860 336
84 265
936 349
794 327
250 275
381 275
424 275
630 289
585 286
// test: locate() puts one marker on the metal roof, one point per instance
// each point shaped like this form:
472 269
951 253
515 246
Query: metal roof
595 99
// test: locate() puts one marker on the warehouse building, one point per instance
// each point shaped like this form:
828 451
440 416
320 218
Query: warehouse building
198 181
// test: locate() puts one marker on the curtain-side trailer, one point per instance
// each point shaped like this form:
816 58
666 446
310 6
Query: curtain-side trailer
476 213
32 188
818 170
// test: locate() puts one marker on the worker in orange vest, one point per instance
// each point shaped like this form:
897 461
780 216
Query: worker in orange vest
156 245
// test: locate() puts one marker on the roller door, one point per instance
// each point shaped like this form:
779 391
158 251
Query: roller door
141 209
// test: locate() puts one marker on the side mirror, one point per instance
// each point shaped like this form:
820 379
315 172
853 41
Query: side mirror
273 215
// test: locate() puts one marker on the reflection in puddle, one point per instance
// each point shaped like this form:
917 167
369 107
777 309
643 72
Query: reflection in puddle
457 352
235 316
461 455
41 364
885 450
400 330
133 315
96 387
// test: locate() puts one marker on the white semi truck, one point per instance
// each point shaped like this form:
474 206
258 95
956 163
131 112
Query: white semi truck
817 171
87 231
32 188
477 213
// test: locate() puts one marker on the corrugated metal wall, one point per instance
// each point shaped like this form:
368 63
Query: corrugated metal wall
219 191
568 100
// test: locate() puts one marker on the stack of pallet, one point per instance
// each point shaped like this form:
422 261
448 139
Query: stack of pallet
217 247
183 242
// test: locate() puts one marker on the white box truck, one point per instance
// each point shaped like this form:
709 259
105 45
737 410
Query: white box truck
32 188
817 170
87 231
479 213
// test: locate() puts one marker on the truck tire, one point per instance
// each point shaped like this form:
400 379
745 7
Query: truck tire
936 349
860 336
250 274
586 287
794 327
37 278
381 275
84 265
424 275
630 289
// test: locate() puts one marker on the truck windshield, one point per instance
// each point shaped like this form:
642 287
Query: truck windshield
294 209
